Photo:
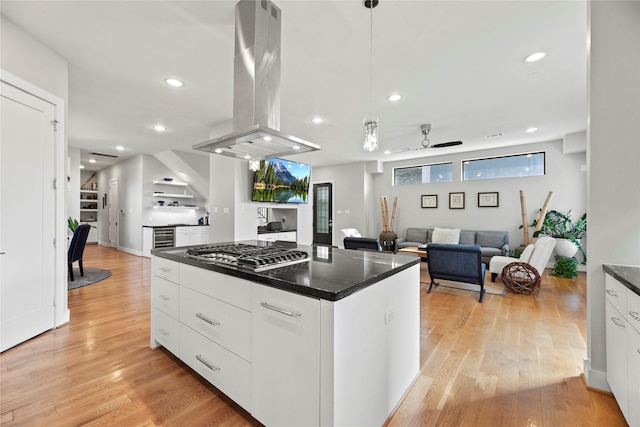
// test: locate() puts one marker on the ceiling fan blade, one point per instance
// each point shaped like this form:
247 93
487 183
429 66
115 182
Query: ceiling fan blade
447 144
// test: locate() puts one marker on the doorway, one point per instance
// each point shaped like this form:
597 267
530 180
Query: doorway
114 217
322 213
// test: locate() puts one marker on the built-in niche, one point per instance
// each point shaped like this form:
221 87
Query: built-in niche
287 216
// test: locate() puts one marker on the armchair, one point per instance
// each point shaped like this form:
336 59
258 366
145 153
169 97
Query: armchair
535 255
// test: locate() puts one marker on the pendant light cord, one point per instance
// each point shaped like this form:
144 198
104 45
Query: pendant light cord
371 62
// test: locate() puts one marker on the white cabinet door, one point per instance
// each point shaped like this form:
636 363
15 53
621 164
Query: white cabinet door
633 363
27 216
195 235
617 356
205 234
147 241
285 383
182 236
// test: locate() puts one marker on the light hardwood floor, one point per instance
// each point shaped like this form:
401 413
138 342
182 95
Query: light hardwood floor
514 360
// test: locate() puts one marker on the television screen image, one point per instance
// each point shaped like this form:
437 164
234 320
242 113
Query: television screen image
281 181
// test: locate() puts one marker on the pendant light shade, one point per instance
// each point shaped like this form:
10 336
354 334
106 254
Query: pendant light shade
370 125
370 135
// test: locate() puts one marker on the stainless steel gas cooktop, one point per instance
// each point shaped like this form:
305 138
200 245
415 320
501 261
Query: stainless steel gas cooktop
251 257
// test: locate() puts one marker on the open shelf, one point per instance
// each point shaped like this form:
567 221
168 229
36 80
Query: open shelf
176 196
175 207
176 183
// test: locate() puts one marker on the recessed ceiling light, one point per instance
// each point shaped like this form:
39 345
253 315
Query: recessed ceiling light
81 167
217 151
531 130
317 120
159 128
387 152
173 82
394 97
296 147
92 160
119 148
246 156
266 138
535 57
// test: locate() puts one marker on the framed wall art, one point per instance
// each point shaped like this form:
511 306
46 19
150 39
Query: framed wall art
456 200
429 201
488 200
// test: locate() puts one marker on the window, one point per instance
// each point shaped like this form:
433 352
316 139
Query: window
423 174
531 164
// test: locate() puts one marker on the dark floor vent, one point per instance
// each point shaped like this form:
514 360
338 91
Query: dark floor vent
105 155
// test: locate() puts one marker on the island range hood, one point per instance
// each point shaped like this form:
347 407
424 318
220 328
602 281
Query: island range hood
256 89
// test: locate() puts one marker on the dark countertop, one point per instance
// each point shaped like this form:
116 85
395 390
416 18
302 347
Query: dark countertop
332 273
627 275
263 230
174 225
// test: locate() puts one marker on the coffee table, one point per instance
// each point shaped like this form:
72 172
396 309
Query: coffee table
422 253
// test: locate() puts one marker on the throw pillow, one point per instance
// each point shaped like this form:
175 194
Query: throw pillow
449 236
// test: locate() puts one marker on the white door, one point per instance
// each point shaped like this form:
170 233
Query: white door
27 216
114 216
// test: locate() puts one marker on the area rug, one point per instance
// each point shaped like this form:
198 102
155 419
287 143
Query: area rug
489 288
91 276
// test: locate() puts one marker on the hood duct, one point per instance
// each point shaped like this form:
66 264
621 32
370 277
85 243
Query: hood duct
256 89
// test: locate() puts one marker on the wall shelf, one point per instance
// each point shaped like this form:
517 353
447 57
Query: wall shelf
176 183
171 195
175 207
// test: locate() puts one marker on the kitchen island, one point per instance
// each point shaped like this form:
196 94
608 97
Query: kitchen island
331 341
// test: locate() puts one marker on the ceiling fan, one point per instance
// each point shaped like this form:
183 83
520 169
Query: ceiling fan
426 129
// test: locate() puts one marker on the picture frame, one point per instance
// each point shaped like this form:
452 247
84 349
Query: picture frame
456 200
488 199
429 201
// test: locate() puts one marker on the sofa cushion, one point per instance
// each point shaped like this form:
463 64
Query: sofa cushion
467 237
492 239
416 235
488 252
450 236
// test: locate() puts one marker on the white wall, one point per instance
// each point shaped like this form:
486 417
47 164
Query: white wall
73 184
564 176
613 140
33 62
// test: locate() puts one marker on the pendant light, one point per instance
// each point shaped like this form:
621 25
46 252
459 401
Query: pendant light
371 125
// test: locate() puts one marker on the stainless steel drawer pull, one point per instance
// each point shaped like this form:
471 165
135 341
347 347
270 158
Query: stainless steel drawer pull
164 297
279 310
206 319
165 269
207 364
635 315
612 293
617 322
163 332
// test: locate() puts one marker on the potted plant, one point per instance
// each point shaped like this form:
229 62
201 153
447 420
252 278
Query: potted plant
566 232
72 224
565 267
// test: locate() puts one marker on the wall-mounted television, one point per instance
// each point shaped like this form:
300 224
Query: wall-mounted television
281 181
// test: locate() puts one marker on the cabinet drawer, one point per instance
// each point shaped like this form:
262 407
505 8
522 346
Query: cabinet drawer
223 323
226 371
616 294
166 331
220 286
166 297
633 309
167 269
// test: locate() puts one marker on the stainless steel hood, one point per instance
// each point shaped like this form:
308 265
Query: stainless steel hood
256 89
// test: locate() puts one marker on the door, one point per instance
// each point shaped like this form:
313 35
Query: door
114 216
27 216
322 214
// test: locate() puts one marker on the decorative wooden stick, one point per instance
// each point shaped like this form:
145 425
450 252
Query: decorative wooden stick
382 213
393 214
386 214
543 212
525 226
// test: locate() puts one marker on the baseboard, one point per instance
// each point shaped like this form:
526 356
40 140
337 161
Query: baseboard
129 251
595 380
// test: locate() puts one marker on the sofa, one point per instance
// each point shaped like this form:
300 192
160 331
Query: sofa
491 243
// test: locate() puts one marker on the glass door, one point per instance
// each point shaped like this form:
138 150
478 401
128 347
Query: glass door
322 214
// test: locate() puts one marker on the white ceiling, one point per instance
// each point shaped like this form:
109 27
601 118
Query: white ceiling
458 64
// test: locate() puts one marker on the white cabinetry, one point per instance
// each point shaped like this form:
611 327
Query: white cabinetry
623 347
287 236
285 385
194 235
165 305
